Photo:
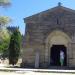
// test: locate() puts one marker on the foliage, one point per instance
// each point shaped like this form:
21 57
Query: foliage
5 3
4 34
14 47
4 20
4 41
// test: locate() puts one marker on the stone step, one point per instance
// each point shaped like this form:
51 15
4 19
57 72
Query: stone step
62 67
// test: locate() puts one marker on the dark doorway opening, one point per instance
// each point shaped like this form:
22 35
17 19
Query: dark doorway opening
55 55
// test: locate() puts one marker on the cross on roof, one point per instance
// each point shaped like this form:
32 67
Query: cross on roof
59 4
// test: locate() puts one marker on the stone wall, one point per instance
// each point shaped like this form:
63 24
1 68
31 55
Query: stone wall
38 28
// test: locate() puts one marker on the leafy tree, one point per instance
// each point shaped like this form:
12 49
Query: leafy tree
4 20
4 42
14 47
4 35
5 3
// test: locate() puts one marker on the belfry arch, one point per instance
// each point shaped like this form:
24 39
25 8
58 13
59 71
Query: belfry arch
56 38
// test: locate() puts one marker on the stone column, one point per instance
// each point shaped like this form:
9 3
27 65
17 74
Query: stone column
46 54
69 55
37 59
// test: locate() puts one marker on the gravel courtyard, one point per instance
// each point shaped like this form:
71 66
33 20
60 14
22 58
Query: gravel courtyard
10 71
33 73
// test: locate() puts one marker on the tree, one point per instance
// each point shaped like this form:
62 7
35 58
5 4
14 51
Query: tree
14 47
4 35
4 43
5 3
4 20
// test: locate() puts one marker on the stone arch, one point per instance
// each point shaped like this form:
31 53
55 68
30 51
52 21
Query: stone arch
56 37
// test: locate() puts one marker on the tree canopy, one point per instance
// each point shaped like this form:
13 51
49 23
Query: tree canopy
5 3
4 20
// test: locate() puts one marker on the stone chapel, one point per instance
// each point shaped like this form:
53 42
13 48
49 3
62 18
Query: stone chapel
46 34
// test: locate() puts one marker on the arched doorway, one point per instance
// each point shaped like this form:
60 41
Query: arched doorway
56 41
55 55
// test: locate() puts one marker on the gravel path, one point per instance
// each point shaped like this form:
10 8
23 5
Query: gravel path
33 73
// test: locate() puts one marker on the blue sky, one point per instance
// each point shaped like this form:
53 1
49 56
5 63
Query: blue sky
24 8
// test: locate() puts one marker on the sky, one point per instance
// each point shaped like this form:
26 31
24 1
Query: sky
21 9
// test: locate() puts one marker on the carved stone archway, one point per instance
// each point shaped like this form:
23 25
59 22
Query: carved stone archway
57 38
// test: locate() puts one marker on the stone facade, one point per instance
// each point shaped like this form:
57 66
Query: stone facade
55 26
